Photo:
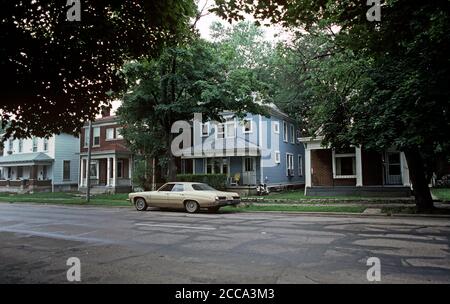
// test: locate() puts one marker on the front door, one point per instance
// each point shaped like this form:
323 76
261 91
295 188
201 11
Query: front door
249 171
392 169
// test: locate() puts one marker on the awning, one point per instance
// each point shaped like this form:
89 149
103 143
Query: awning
25 159
222 148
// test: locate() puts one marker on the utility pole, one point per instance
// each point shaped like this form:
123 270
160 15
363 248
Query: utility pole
153 175
88 173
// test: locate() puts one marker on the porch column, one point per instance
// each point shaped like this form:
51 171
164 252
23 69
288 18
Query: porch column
404 170
114 166
87 172
307 168
130 163
82 173
359 180
108 170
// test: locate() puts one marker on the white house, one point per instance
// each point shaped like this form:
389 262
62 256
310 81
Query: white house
40 164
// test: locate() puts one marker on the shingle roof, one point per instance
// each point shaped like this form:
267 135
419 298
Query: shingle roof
25 158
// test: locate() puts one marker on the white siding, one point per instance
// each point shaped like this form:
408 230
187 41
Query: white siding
66 147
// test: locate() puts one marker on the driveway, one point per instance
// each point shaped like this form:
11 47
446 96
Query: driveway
121 245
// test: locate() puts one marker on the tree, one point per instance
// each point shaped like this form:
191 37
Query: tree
402 99
56 74
184 80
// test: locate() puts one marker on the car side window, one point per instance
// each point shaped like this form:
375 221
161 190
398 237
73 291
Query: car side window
167 187
178 188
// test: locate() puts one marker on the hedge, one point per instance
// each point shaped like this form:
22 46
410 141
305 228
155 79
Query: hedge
217 181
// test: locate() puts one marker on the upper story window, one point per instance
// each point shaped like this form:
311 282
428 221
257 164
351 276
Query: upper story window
226 130
10 144
205 129
119 133
109 133
35 144
96 136
248 126
20 145
45 144
292 134
86 137
285 131
276 127
344 163
298 136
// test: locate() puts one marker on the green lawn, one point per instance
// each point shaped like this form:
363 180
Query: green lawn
442 194
67 198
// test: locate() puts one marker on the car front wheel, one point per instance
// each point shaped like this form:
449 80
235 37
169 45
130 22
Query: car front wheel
191 206
141 204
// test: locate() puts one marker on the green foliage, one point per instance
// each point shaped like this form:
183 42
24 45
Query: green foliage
57 73
217 181
142 175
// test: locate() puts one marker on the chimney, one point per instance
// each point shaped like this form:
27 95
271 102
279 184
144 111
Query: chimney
106 112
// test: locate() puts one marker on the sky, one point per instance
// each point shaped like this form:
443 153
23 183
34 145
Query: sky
205 22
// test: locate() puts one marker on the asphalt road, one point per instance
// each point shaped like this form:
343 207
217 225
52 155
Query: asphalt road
121 245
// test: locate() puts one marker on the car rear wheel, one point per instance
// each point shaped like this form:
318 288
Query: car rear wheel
141 204
191 206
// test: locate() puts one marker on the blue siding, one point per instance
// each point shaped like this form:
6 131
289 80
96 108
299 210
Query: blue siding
267 170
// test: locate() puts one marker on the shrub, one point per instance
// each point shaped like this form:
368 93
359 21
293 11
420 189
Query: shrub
217 181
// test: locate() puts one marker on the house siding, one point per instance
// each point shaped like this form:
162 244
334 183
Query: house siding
66 148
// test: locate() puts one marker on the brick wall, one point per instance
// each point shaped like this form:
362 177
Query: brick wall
105 145
322 170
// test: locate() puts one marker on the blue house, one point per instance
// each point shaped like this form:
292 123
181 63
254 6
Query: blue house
250 151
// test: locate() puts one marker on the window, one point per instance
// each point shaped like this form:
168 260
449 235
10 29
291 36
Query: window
109 133
120 169
66 170
86 137
277 157
248 126
166 187
19 172
216 165
300 165
202 187
248 166
299 134
292 134
9 172
45 144
35 144
220 131
205 129
178 188
285 131
93 170
96 134
289 164
10 145
344 163
230 129
44 172
20 145
119 133
276 127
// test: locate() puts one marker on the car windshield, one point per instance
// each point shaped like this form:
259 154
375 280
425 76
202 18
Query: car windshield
202 187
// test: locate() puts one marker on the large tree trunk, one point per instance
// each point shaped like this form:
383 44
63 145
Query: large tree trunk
422 194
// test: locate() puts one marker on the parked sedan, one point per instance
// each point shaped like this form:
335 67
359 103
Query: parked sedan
188 196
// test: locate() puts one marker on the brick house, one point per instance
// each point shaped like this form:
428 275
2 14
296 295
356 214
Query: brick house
111 163
354 171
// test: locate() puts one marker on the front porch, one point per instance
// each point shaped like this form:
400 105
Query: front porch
354 171
109 173
27 172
